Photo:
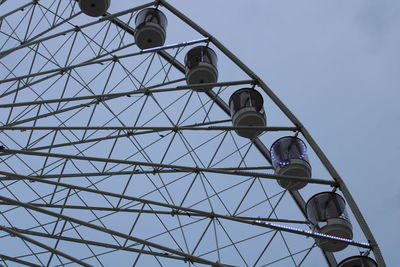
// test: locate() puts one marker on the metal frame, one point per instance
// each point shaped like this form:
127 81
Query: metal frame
335 175
158 168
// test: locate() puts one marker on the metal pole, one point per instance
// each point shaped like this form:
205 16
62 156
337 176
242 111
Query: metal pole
170 166
173 207
95 243
113 58
108 17
98 228
146 90
39 244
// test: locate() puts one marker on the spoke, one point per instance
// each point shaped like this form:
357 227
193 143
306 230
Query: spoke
19 88
62 70
265 248
103 97
16 260
173 207
95 243
284 258
109 17
233 243
98 228
15 10
305 256
37 243
169 166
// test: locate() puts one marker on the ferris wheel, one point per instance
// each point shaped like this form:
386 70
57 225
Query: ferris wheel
130 136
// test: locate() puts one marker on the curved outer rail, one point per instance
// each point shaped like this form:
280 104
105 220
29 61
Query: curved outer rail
335 175
260 146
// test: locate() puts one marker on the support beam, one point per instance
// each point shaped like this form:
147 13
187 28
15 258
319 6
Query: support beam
94 101
62 70
110 137
147 90
98 228
170 166
27 85
165 205
96 243
158 212
18 9
16 260
102 19
120 173
152 128
39 244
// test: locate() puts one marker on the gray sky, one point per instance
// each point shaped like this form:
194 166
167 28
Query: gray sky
336 65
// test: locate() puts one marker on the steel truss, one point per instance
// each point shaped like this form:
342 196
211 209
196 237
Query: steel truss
107 155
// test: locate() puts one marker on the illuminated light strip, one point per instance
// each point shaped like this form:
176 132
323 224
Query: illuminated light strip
179 208
316 234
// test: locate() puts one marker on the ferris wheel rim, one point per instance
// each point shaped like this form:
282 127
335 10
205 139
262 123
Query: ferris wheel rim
338 182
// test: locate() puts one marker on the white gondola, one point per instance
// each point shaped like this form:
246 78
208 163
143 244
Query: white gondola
201 67
94 8
328 211
246 107
289 157
358 261
151 26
